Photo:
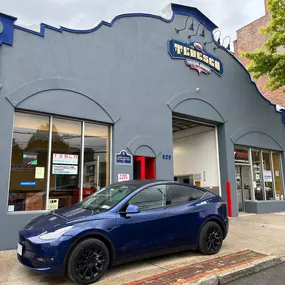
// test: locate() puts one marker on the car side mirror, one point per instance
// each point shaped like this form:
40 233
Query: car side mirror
131 209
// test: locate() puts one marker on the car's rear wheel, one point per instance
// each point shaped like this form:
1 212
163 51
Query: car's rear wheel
210 238
88 261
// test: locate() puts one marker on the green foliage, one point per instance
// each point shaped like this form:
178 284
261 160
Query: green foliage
271 61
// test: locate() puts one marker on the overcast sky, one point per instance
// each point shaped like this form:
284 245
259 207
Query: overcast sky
229 15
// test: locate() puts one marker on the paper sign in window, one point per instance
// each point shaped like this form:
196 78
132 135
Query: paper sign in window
65 169
40 173
53 204
60 158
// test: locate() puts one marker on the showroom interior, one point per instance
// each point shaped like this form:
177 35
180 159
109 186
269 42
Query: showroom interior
195 154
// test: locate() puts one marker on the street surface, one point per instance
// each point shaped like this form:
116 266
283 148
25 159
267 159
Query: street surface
271 276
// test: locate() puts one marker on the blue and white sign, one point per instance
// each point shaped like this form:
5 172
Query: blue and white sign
28 183
123 158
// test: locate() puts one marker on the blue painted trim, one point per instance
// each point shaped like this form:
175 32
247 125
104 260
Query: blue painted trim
176 9
103 23
8 16
194 12
6 36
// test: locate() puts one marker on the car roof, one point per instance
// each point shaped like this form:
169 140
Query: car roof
141 183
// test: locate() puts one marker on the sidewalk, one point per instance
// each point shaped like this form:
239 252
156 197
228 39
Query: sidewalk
259 233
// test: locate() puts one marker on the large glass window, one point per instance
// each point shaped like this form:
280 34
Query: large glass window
48 160
278 175
96 153
28 178
65 162
257 175
266 169
267 175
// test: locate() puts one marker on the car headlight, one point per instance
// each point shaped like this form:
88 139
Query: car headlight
54 235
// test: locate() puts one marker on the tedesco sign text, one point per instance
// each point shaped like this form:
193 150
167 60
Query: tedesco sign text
195 56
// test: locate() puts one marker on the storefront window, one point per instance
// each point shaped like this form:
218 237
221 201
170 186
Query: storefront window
65 163
267 176
28 178
32 171
266 169
96 158
257 176
277 176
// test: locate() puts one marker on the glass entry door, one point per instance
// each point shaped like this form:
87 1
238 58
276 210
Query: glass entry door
243 181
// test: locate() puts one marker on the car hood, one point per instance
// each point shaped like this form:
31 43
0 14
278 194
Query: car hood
58 219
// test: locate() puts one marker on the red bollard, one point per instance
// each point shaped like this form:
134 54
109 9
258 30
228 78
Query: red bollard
230 209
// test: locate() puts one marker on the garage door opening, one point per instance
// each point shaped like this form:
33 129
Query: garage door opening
195 154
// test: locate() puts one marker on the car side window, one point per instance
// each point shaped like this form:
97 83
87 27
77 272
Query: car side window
150 198
179 194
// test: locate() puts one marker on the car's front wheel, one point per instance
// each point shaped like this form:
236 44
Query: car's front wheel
210 238
88 261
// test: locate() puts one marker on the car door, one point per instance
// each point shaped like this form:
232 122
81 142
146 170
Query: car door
183 220
145 232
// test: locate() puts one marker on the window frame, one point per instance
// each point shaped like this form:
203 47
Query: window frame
188 186
50 118
261 153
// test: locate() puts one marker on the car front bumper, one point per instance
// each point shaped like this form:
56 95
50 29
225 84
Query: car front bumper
47 258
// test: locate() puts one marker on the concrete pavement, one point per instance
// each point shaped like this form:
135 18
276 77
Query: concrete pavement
260 233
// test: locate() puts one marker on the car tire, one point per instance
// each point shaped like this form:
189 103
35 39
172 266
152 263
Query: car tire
210 239
88 261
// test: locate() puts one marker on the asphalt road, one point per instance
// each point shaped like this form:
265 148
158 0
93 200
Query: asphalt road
272 276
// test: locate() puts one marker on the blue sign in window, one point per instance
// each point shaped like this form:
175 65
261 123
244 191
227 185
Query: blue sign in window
28 183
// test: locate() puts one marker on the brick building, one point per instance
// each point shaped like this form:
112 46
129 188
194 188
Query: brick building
249 39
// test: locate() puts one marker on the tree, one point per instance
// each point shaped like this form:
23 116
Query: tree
39 140
271 61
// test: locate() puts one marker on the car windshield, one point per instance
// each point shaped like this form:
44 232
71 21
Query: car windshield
107 197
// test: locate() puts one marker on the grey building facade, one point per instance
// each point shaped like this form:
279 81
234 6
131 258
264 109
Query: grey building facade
118 87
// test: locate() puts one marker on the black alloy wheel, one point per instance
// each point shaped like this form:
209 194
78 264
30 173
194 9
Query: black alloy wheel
210 239
88 261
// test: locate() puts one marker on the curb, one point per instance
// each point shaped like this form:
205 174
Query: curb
227 276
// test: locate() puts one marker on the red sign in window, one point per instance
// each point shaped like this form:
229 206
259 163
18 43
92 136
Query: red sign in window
241 155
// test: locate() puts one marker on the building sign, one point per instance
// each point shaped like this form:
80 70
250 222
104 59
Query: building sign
195 57
166 156
61 158
123 177
123 158
65 169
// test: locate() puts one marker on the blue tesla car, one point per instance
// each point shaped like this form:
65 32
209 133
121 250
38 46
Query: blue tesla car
122 222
